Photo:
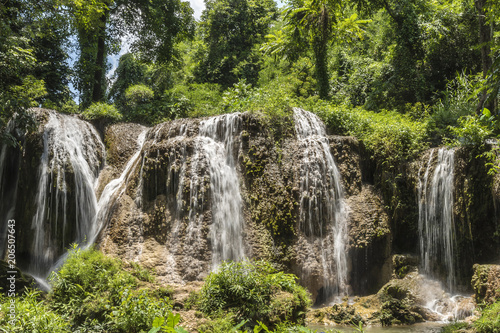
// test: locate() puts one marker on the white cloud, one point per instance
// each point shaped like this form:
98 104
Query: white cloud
198 7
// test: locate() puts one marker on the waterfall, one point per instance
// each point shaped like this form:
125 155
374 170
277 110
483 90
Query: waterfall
70 162
323 211
435 222
215 143
114 190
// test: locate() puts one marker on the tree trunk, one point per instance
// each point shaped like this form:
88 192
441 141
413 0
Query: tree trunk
100 61
484 41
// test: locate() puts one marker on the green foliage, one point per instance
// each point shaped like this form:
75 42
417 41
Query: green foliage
137 310
457 102
471 131
130 71
88 284
141 273
230 31
255 292
158 26
203 99
33 314
489 322
169 325
456 327
315 24
390 136
99 110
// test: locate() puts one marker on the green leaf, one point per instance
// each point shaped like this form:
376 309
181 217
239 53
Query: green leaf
173 320
486 113
158 322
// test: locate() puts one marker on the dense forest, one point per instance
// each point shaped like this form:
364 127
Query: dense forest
432 62
382 85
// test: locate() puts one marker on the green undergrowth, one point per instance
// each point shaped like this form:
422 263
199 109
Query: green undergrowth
390 136
254 292
489 322
92 293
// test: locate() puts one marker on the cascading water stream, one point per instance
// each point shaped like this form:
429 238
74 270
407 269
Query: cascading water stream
436 223
114 190
437 236
216 142
323 211
71 159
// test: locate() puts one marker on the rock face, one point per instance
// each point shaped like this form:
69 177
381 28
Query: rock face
486 283
166 216
51 184
185 195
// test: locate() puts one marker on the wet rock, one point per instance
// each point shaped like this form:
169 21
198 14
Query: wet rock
486 283
370 241
403 264
16 282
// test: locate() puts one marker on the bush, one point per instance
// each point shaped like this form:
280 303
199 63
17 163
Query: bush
137 311
490 319
139 104
88 285
471 131
100 111
33 314
456 103
391 137
254 291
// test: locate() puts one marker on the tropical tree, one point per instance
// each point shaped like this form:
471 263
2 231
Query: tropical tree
230 30
317 24
155 26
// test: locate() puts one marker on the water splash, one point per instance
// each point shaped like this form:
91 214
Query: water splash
323 211
436 222
70 162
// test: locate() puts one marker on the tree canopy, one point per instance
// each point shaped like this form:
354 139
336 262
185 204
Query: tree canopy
409 56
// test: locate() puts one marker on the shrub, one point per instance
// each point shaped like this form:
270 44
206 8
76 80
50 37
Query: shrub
471 131
32 315
100 111
137 311
490 319
391 137
254 291
138 94
88 285
138 104
457 102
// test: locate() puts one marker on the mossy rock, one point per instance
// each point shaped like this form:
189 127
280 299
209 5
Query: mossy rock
21 280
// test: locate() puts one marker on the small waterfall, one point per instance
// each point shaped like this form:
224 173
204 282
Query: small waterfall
70 162
323 211
216 142
113 191
436 223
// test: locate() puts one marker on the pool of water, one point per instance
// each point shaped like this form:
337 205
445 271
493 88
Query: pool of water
417 328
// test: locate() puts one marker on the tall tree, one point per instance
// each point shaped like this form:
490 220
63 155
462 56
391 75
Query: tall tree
230 30
19 89
90 20
155 26
486 10
319 23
